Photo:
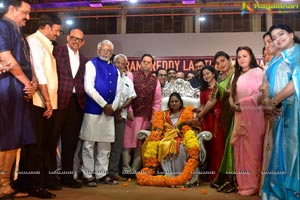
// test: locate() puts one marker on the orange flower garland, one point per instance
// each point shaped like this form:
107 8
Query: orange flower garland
147 175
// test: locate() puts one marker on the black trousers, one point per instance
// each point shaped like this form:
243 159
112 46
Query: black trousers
38 161
67 126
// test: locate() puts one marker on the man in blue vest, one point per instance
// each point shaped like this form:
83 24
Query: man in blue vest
103 87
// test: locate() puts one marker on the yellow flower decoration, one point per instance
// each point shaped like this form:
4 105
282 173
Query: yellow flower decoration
151 149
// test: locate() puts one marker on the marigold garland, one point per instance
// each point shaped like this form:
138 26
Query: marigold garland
147 176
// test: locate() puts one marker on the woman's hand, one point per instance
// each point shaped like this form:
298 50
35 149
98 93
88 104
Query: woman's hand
196 110
196 123
237 107
267 106
234 105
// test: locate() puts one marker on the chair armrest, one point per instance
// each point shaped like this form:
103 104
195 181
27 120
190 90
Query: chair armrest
143 134
203 136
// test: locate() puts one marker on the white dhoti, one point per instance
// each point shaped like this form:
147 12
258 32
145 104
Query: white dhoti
97 133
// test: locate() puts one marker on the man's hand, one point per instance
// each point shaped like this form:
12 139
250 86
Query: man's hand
130 116
30 89
49 110
118 117
4 66
108 110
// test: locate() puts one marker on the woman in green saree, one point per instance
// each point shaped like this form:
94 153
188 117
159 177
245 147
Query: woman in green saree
225 179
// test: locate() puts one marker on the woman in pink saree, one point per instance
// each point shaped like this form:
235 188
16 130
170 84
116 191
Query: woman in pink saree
248 132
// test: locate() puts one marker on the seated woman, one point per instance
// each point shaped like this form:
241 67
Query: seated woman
172 146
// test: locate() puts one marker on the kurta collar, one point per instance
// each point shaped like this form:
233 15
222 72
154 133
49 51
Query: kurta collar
71 50
45 39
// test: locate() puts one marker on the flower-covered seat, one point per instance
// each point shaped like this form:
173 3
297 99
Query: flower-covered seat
194 140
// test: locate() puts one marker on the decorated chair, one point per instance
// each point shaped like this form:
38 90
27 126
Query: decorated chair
191 98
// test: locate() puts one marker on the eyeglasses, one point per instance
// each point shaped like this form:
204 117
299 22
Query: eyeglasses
163 75
105 50
74 38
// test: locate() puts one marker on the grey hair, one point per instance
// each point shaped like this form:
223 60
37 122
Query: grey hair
120 56
105 42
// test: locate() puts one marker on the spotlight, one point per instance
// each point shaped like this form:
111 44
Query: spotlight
69 22
201 19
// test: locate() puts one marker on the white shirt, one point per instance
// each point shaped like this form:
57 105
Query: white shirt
74 62
127 92
44 65
38 53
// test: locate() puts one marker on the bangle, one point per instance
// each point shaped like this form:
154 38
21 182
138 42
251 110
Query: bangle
275 104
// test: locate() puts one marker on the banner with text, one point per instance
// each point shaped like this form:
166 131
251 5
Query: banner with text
182 63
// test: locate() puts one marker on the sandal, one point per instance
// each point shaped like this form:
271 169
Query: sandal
89 182
110 181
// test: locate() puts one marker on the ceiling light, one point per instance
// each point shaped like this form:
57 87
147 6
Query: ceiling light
95 4
201 19
188 1
69 22
1 5
132 1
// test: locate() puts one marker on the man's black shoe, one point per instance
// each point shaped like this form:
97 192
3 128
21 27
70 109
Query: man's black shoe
55 187
72 183
41 193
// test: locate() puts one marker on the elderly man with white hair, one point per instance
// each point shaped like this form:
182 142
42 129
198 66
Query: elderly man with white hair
102 84
127 94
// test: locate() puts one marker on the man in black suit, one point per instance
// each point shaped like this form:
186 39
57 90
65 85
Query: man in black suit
71 101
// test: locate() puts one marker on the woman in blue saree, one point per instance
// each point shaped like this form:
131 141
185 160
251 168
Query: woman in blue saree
282 179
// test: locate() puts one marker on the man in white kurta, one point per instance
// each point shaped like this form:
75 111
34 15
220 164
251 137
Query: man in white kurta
127 94
41 156
103 87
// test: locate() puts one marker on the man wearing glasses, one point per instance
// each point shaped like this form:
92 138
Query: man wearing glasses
162 75
71 101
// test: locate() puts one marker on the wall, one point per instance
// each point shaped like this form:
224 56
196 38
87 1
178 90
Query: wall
177 51
174 44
